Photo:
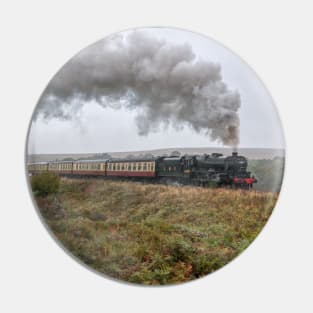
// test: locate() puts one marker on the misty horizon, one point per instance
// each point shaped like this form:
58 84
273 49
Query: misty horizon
163 148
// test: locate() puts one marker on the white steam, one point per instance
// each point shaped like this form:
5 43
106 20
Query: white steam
165 83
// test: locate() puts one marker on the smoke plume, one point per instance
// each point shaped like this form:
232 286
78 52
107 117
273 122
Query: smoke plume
165 83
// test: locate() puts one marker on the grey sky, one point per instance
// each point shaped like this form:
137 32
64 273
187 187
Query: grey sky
101 129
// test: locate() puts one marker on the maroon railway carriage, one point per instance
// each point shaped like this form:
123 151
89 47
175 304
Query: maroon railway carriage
89 167
131 168
60 167
36 168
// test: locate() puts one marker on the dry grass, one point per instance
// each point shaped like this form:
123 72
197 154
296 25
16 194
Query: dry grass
154 234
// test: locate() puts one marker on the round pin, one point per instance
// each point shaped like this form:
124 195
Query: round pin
155 156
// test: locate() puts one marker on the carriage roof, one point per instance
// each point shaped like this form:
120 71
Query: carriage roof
125 160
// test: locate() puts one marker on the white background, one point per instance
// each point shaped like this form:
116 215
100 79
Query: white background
274 273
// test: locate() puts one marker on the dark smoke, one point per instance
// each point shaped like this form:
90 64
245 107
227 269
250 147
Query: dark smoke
165 83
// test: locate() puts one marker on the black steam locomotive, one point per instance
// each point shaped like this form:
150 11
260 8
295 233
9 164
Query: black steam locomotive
207 170
200 170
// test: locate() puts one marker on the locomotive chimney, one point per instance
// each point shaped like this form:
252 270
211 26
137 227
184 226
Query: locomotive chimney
235 151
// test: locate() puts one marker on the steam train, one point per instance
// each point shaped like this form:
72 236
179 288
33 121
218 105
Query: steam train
204 170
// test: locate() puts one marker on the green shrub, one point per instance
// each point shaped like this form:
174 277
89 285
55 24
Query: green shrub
205 264
45 184
180 250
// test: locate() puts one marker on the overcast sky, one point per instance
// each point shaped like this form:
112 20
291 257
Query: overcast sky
98 129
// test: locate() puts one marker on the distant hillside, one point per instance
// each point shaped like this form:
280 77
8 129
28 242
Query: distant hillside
250 153
269 173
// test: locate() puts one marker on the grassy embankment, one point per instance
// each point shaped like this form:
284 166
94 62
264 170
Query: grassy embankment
154 234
